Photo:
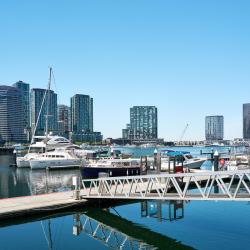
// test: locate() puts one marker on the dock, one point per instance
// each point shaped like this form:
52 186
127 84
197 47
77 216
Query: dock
28 205
213 186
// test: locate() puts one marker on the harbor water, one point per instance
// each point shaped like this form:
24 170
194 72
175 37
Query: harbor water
133 225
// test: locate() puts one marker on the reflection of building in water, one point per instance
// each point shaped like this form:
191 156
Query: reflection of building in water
44 181
163 210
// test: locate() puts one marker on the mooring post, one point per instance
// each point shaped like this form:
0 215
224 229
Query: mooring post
158 163
216 160
76 184
212 155
155 159
174 165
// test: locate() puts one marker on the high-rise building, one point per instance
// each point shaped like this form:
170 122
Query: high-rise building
214 127
49 107
143 123
25 89
126 132
64 118
81 114
246 121
11 114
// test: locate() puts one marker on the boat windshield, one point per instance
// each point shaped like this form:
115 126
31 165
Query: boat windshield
189 156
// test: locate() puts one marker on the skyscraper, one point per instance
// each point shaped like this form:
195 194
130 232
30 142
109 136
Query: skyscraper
11 114
214 127
246 121
49 106
143 122
64 118
25 89
81 114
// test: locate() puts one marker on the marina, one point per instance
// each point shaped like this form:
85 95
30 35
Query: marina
53 192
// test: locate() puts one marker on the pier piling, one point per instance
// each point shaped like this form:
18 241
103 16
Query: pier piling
216 160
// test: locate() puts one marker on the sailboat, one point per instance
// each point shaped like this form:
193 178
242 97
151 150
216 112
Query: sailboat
44 143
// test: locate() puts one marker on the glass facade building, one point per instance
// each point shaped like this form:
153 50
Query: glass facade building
64 119
12 124
49 106
81 114
214 127
143 123
25 89
246 121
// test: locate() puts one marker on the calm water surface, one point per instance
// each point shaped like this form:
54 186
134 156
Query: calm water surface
140 225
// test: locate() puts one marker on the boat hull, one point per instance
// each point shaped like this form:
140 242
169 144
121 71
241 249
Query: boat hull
55 164
93 172
194 164
22 163
191 164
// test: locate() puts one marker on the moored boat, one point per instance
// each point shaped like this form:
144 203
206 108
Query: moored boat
182 158
59 158
112 168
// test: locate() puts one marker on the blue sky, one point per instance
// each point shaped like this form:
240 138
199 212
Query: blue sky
190 58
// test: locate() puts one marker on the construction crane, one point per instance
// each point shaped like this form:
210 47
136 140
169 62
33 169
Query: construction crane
183 132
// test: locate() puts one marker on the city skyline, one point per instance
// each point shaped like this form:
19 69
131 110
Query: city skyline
24 87
170 55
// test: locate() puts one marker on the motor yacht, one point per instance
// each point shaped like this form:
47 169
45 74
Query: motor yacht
59 158
111 167
40 146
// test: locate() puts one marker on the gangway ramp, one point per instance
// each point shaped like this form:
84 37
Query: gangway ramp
221 185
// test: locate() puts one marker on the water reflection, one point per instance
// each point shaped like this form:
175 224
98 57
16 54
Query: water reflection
163 210
111 237
21 181
44 181
119 233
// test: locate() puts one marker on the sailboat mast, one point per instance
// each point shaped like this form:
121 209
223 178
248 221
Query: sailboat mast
48 105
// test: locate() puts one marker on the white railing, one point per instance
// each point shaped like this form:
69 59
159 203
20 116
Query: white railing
222 185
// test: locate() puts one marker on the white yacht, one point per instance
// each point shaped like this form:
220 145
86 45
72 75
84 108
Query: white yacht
59 158
40 146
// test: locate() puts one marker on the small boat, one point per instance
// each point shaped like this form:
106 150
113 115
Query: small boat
59 158
111 168
182 157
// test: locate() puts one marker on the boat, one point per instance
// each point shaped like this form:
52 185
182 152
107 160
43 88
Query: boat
59 158
40 146
235 162
182 157
111 168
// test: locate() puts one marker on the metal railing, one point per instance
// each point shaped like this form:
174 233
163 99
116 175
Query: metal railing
221 185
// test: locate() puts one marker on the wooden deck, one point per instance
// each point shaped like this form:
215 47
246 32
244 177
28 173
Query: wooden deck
18 206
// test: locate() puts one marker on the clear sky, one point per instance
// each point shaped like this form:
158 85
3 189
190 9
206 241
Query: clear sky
190 58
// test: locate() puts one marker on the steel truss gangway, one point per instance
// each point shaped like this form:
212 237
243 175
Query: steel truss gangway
109 236
209 185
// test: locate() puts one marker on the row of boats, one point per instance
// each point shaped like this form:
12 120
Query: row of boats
55 152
